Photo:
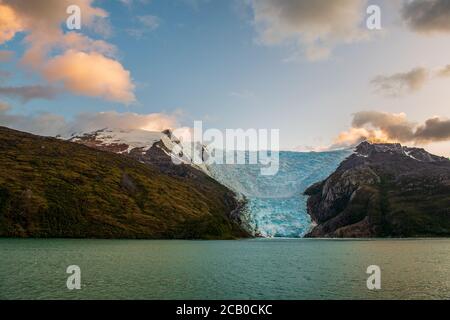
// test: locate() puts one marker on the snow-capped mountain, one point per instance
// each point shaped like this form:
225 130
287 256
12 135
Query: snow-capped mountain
120 141
383 190
73 191
275 204
146 146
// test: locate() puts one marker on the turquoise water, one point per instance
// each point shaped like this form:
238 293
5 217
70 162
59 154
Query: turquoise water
247 269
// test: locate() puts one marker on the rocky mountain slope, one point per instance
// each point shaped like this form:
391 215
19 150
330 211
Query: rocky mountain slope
383 190
55 188
157 148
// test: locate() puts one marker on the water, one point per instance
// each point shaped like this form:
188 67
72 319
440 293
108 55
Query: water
276 204
247 269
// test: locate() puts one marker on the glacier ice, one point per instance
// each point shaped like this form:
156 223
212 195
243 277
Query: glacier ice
276 204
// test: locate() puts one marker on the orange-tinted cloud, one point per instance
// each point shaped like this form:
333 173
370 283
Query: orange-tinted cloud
378 126
91 74
9 23
126 120
88 66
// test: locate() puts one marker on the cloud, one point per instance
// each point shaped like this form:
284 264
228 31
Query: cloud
147 23
444 72
27 93
91 74
9 23
126 120
399 84
41 21
314 26
435 129
427 16
391 127
49 124
82 43
394 126
46 124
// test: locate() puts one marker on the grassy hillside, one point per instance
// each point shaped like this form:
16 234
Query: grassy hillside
53 188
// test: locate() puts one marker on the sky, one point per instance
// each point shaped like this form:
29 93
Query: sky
311 69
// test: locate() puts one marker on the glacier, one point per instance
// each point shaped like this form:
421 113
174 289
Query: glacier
276 206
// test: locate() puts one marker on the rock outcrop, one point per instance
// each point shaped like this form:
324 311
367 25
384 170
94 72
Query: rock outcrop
383 190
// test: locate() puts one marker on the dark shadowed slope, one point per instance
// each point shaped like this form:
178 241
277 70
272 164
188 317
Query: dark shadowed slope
383 190
54 188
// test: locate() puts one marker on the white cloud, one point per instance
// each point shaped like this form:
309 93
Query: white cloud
91 74
150 21
147 23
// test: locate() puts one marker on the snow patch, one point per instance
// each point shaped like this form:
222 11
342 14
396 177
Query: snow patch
144 140
408 153
133 138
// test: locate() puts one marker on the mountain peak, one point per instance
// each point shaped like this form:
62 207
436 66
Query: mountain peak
383 189
145 146
120 140
368 149
69 191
